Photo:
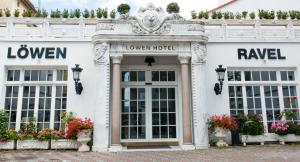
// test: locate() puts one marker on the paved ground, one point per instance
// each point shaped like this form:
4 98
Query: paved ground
268 153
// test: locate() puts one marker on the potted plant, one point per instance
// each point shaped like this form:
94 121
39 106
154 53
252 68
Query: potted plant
59 141
92 13
112 14
28 137
77 13
9 141
99 13
252 131
65 13
194 14
44 13
6 143
123 10
244 14
80 129
105 13
281 129
86 13
17 13
7 12
173 8
252 15
221 125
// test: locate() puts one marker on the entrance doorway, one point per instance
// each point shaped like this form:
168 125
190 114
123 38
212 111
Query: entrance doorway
149 105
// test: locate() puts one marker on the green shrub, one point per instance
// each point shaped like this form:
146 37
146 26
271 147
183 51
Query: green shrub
193 14
17 13
226 15
214 15
252 15
123 8
173 7
44 13
72 14
38 13
219 15
99 13
112 14
238 16
77 13
1 13
293 128
105 13
3 123
65 13
92 14
11 134
252 125
244 14
86 13
7 12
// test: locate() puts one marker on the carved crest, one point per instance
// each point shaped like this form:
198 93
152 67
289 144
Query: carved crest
151 20
101 53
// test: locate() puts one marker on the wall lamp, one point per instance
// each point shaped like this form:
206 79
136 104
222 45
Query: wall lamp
221 74
149 60
76 76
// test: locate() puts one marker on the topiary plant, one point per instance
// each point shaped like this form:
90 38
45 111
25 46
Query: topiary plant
72 14
99 13
86 13
226 15
173 8
252 15
123 8
38 13
92 13
112 14
44 13
238 16
244 14
65 13
17 13
77 13
105 13
194 15
7 12
1 13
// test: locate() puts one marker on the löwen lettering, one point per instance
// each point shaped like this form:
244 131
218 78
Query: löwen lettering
38 53
265 53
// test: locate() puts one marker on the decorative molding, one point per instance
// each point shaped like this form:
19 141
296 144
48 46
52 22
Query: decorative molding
101 53
116 59
199 53
184 59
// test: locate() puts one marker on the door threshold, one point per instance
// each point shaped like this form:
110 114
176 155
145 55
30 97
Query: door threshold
150 148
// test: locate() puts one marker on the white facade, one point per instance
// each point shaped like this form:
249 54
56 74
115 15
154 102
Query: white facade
188 49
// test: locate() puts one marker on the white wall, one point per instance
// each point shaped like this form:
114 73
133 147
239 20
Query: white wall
226 54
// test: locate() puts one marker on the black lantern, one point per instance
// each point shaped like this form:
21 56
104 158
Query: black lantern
149 60
221 75
76 76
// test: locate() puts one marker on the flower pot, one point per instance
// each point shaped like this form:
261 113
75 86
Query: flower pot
32 144
7 145
221 134
64 144
288 138
83 137
252 139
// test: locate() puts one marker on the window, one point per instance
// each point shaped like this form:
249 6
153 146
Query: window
34 89
133 76
260 92
163 76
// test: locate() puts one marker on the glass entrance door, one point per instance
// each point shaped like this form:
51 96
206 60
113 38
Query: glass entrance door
148 107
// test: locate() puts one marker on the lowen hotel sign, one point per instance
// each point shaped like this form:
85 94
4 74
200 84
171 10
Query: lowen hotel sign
141 47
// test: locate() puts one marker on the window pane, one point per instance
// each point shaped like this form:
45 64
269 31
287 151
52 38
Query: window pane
133 76
34 75
171 75
230 76
141 75
256 75
239 91
291 76
42 75
155 75
125 76
247 76
231 91
163 76
10 75
265 76
49 75
273 76
237 75
27 75
283 75
249 91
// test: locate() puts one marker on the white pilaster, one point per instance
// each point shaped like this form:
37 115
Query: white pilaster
199 95
102 83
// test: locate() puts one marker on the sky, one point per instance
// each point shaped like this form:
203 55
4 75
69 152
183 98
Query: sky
186 6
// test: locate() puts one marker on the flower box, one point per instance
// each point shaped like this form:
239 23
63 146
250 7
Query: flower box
32 144
252 139
7 145
288 138
64 144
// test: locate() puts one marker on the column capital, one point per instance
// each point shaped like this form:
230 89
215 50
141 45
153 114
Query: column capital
116 59
184 59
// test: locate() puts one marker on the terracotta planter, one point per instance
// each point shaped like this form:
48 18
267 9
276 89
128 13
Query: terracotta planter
221 134
7 145
32 144
66 144
252 139
83 137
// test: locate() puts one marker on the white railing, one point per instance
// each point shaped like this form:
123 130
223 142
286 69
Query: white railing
83 29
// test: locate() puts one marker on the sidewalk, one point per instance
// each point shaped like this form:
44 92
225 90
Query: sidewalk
268 153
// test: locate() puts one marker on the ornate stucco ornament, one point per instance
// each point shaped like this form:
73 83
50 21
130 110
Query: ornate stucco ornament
153 20
199 53
101 53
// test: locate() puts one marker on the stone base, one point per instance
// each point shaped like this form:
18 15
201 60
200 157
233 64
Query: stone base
187 147
99 149
200 147
115 148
